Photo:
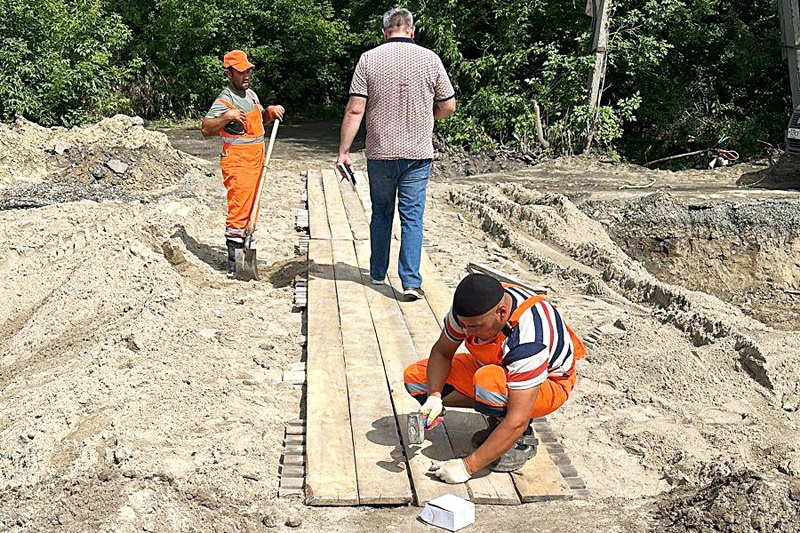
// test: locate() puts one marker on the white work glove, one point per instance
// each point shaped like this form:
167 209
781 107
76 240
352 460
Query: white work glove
432 408
452 471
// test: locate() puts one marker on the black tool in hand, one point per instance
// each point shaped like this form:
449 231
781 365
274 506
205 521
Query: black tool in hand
347 173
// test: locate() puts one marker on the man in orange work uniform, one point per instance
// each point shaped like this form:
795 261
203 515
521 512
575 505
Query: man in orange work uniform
519 364
238 117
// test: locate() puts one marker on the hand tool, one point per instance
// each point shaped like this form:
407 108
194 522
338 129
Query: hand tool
246 264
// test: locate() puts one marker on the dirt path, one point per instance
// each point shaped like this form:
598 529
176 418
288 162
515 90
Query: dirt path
141 390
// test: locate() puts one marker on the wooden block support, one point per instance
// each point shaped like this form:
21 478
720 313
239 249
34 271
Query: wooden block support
293 460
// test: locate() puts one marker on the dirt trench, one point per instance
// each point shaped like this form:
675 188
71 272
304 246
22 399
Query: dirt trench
698 386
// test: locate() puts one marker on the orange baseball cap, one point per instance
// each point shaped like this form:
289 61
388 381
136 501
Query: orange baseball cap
238 60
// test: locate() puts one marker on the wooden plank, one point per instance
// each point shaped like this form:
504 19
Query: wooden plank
419 319
505 278
437 293
359 225
375 433
337 217
539 480
397 352
362 188
330 457
487 487
317 214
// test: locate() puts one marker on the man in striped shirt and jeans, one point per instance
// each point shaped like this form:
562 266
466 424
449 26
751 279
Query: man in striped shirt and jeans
519 364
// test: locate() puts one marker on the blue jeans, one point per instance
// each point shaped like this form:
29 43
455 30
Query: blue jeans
405 180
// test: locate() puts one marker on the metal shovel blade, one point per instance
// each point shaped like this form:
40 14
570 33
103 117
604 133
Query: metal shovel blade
246 266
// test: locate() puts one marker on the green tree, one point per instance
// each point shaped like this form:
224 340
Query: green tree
297 47
704 69
58 61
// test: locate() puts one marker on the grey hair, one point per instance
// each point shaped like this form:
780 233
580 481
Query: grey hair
397 18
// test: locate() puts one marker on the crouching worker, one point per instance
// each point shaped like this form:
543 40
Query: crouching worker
519 365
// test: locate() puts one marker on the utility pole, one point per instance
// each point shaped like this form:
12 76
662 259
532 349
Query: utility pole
598 10
789 15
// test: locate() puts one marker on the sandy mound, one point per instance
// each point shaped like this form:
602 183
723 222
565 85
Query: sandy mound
115 159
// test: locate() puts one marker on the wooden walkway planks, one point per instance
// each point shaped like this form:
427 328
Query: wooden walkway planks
330 459
317 213
397 351
355 396
381 478
337 217
539 480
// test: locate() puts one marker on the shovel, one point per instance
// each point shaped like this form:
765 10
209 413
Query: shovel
245 258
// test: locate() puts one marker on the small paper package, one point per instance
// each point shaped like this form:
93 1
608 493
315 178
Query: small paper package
449 512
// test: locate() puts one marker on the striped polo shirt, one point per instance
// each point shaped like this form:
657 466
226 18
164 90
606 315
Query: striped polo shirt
539 346
401 82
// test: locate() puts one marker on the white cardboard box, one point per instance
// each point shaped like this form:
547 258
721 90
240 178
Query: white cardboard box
449 512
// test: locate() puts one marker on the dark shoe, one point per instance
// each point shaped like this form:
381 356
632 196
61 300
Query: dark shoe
230 266
516 457
479 437
412 294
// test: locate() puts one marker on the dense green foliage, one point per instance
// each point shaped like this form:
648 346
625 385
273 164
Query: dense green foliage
682 73
59 61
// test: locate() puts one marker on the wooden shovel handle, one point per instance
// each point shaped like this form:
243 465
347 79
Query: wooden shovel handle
251 223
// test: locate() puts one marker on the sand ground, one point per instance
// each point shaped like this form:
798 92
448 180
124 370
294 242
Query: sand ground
140 390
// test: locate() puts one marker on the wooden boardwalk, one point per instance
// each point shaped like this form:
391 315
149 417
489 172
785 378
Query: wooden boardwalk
359 341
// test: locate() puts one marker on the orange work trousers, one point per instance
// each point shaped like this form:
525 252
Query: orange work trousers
241 166
487 386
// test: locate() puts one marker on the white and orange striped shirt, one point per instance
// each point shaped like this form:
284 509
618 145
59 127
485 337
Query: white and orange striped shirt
539 346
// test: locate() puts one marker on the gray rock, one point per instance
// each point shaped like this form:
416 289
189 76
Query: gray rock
97 171
117 166
269 521
60 148
294 521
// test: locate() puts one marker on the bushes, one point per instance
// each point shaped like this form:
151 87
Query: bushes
681 73
59 61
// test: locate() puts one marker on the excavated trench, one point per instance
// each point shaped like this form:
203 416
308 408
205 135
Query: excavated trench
727 274
746 254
